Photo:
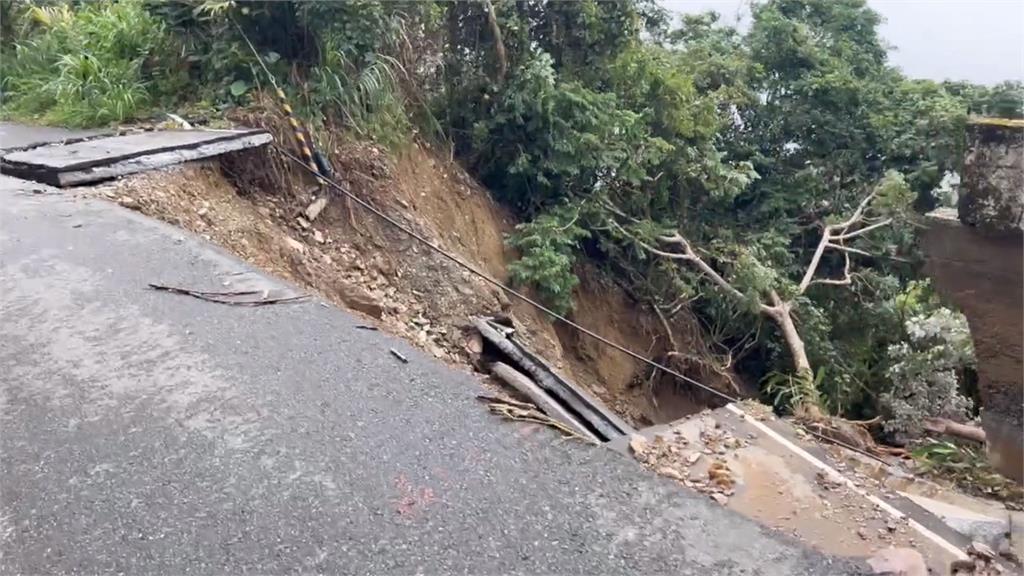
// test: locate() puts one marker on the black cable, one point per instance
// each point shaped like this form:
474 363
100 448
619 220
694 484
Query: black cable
331 183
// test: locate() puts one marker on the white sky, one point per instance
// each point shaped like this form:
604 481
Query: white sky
977 40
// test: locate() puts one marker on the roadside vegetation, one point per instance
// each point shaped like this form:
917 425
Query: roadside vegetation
765 180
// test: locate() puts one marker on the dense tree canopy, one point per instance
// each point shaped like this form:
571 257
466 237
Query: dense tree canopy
609 127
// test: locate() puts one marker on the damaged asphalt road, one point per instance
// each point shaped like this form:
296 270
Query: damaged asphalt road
148 432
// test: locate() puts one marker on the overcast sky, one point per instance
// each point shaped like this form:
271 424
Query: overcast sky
977 40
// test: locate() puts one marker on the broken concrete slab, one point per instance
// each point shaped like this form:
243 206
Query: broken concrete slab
980 527
106 158
14 136
832 508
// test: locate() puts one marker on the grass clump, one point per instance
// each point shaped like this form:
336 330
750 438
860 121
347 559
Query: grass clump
99 63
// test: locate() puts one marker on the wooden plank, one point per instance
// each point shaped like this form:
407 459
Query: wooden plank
590 410
547 405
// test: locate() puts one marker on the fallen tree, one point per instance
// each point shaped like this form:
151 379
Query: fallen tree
947 427
772 304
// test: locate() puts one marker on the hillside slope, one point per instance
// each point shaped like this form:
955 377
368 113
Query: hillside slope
248 204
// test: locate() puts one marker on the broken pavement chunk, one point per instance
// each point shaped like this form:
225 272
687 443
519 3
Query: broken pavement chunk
637 443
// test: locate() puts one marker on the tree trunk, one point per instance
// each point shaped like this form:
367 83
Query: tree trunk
499 42
781 313
950 428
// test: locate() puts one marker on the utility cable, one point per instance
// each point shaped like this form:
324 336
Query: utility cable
491 280
314 161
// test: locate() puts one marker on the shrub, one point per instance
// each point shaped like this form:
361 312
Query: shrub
100 63
925 371
367 99
548 245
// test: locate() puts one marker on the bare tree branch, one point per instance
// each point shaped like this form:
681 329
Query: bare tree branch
840 232
668 329
862 231
844 281
851 250
950 428
812 268
858 214
779 311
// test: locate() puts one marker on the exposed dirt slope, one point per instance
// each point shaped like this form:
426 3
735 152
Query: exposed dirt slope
248 204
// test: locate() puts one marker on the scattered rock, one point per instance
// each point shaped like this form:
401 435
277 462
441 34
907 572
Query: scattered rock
318 237
436 351
129 202
314 209
359 299
979 550
669 472
295 244
637 443
692 458
720 475
720 498
828 481
898 562
474 343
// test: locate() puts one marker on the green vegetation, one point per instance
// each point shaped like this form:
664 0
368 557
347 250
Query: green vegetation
765 179
98 64
968 468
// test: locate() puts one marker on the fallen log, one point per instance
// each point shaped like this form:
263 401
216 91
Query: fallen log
944 426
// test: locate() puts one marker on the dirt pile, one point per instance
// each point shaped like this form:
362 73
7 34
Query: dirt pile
249 205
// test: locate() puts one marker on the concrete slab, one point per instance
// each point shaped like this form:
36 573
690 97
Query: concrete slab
774 486
14 136
106 158
980 527
12 184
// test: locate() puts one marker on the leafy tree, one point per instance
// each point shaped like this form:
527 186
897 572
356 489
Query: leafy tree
736 174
